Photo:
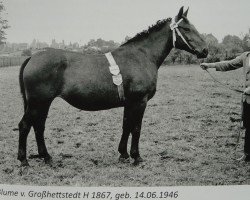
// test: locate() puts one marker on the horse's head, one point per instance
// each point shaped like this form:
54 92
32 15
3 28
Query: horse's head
186 37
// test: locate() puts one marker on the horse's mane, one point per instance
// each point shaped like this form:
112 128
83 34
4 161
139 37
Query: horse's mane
159 24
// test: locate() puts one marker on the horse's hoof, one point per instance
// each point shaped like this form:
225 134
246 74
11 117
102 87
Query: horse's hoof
124 160
24 163
24 170
138 161
48 161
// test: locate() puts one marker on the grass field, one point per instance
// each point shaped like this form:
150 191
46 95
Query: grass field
188 136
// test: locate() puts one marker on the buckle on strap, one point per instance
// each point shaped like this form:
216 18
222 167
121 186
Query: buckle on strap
175 25
114 69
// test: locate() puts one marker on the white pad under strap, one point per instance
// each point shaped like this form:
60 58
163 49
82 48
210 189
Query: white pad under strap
113 68
110 59
116 75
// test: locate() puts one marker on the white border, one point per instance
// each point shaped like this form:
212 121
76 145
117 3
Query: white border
238 192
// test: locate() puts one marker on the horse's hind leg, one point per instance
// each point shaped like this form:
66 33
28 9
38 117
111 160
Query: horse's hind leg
34 116
24 129
39 118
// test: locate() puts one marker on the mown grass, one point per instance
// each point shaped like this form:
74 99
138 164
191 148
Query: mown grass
188 136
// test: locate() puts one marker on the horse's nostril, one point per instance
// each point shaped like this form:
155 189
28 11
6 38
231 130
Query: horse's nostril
205 51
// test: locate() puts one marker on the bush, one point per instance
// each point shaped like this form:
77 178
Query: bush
26 52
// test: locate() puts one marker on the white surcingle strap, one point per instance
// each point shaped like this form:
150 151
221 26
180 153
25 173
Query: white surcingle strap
116 75
174 28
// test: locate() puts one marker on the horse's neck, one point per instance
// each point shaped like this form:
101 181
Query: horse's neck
157 45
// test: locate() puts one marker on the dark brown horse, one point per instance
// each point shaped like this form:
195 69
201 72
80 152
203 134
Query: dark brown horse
84 81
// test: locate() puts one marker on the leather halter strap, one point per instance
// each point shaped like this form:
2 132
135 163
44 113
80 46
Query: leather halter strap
174 27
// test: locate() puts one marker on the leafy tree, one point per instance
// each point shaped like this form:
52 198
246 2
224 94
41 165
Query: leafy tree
214 48
244 42
3 24
233 45
173 56
189 58
100 45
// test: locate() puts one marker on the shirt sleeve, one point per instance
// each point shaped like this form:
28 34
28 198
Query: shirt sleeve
229 64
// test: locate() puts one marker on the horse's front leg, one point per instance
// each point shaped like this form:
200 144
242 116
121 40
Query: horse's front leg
132 120
124 157
137 110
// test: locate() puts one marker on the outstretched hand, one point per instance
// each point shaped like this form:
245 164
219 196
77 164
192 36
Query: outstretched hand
204 66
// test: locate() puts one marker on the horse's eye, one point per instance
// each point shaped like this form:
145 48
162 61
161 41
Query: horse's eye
186 29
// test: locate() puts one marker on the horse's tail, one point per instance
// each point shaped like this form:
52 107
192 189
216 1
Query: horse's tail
22 89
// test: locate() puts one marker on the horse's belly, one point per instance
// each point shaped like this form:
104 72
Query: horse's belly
93 100
89 87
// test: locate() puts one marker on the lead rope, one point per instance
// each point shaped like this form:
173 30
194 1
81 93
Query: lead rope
224 85
238 91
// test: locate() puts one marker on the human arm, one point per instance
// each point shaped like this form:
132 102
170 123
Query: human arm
225 65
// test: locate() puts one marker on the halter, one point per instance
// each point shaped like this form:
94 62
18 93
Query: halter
174 28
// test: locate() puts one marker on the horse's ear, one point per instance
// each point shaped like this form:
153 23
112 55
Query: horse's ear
186 12
179 16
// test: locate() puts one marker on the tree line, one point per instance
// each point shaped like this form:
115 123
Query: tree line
228 48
